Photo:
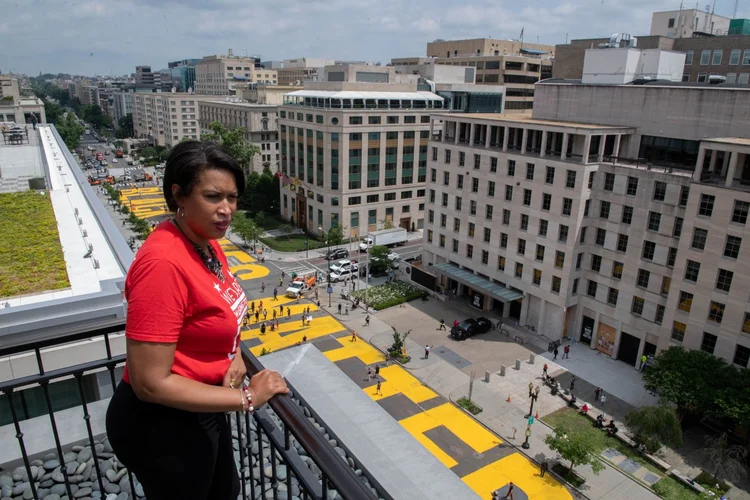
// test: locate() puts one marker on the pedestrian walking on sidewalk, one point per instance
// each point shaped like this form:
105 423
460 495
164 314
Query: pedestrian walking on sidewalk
308 309
277 324
544 371
378 392
555 353
309 320
303 320
597 392
281 281
543 468
509 493
263 329
339 309
644 358
275 293
572 383
346 310
377 372
288 312
262 287
367 320
257 315
265 314
354 336
442 325
283 275
566 351
427 351
602 399
369 374
274 314
252 306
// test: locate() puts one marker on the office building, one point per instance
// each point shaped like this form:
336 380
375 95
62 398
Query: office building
144 76
303 69
614 215
17 108
183 74
485 47
259 121
354 154
688 23
122 105
266 94
218 74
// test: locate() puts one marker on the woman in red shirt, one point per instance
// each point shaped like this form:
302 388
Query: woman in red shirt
167 420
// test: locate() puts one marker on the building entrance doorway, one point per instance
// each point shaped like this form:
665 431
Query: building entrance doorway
587 330
629 346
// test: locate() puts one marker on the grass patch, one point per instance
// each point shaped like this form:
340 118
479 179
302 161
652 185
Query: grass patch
389 294
271 222
670 488
31 257
469 406
292 243
570 477
601 440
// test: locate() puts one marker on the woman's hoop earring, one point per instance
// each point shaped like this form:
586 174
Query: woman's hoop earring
181 212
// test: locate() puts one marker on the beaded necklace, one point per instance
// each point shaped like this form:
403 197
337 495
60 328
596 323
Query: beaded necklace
212 263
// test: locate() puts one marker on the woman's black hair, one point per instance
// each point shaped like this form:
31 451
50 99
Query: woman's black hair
189 159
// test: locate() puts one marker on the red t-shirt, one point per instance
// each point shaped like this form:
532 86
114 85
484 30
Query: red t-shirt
174 298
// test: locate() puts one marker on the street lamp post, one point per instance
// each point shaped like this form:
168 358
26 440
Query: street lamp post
533 396
526 444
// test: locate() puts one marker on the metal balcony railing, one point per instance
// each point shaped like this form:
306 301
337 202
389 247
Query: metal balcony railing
303 462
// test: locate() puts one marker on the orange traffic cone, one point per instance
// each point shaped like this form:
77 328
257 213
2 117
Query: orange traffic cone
508 400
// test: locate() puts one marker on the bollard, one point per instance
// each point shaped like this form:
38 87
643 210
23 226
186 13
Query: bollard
486 376
518 364
532 358
502 370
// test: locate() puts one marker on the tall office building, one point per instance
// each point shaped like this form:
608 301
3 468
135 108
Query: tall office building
144 76
183 72
218 74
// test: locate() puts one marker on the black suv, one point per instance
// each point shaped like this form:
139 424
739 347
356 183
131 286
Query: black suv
469 327
337 253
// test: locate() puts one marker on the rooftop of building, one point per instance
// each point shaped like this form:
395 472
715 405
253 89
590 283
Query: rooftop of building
732 141
526 119
233 101
651 83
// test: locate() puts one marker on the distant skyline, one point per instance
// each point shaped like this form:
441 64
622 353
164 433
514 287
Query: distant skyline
112 37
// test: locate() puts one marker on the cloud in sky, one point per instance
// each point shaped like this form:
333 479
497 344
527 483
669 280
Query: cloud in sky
113 36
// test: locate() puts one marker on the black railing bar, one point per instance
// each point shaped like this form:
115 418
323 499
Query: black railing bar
274 478
348 484
39 362
242 454
259 437
21 444
56 434
249 440
109 356
358 465
293 460
57 336
47 377
87 419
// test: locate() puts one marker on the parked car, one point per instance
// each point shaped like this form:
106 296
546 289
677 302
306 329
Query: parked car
342 264
469 327
337 253
343 274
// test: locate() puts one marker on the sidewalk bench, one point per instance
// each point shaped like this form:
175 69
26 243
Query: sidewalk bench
686 480
622 437
657 461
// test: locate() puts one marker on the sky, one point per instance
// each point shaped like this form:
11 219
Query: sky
111 37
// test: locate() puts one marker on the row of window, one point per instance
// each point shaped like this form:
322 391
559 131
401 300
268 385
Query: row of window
375 198
736 57
356 136
357 120
708 344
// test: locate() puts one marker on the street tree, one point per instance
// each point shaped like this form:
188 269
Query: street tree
125 126
234 141
335 236
379 261
70 131
655 426
396 350
246 229
686 378
725 460
388 224
575 445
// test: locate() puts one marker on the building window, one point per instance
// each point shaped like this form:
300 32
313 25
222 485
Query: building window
579 259
659 316
543 225
472 229
677 230
637 306
447 156
493 165
537 277
627 214
550 175
461 158
527 197
556 284
490 189
707 205
503 240
591 289
546 201
699 238
688 57
455 245
488 212
508 192
686 301
567 207
529 171
540 253
596 263
742 353
501 263
559 259
746 323
485 257
563 234
570 180
601 236
524 222
724 280
612 296
632 186
519 270
487 234
732 247
671 257
684 195
506 217
582 239
709 342
575 286
654 221
511 168
717 56
604 209
739 214
477 161
609 182
678 331
617 270
649 248
442 241
521 249
716 312
705 57
470 251
670 22
586 207
692 269
660 191
592 175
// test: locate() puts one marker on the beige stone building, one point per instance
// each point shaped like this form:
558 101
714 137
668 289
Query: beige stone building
355 155
484 47
164 118
17 108
267 94
219 74
614 215
259 121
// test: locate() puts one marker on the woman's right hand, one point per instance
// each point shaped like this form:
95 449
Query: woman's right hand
266 384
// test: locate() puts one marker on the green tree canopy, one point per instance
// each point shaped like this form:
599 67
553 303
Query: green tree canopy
246 229
655 426
334 236
379 261
261 194
70 131
575 445
125 127
234 141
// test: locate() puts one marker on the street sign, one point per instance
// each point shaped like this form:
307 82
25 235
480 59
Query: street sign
531 420
330 289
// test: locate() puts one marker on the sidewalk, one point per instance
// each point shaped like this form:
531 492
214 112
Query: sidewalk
505 419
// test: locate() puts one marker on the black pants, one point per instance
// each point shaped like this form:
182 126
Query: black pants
174 453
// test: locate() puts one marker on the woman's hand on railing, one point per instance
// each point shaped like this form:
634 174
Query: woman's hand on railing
236 372
266 384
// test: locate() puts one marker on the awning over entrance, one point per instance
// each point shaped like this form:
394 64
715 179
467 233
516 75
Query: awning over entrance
477 282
